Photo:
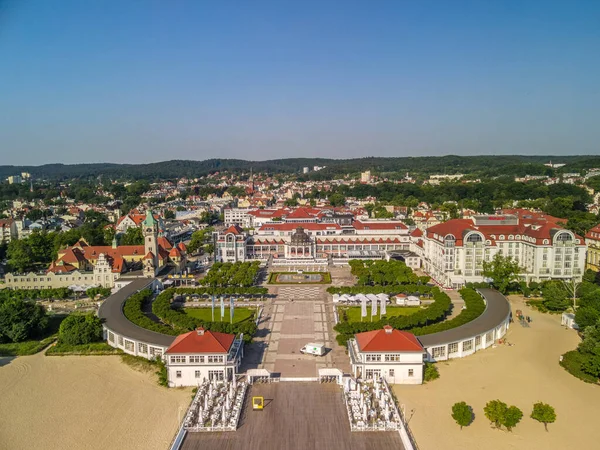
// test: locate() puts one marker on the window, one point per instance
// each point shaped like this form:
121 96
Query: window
371 374
196 359
142 348
391 372
467 345
411 372
215 375
177 359
178 374
215 359
197 374
453 348
373 358
390 358
438 352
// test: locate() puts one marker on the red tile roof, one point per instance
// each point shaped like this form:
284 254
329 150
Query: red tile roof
388 340
387 225
235 229
292 226
202 341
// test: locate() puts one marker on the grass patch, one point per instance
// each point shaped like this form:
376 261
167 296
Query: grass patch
352 313
147 366
33 346
325 278
205 314
95 348
572 362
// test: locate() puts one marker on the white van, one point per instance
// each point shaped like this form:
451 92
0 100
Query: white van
313 349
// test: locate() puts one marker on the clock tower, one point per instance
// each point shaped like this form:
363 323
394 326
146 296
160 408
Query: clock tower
150 232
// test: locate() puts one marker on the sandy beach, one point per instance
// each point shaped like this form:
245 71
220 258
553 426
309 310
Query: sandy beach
520 375
84 403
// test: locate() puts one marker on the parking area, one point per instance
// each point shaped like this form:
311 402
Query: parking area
297 416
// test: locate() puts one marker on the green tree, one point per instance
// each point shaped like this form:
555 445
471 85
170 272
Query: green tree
555 297
430 372
503 270
19 255
337 200
512 417
169 215
20 319
80 329
133 236
495 411
544 413
586 316
462 414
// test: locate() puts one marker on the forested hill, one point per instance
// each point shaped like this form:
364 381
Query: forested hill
481 165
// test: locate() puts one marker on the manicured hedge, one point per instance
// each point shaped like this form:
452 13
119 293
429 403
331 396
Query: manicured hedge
133 312
178 319
433 313
416 323
216 291
475 307
417 289
37 294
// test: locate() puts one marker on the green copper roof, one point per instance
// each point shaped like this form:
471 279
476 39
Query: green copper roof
149 221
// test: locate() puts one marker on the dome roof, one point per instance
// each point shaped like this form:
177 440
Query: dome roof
300 237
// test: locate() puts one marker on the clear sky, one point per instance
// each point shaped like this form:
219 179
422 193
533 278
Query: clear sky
144 80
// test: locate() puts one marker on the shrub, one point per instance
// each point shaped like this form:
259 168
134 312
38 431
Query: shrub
573 362
431 372
133 312
78 329
462 414
543 412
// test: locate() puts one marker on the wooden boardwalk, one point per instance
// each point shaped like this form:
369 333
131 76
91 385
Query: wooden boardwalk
297 416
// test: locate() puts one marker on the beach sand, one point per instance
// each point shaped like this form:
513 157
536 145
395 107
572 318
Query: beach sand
84 403
520 375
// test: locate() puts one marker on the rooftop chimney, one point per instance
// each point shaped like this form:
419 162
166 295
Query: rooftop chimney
388 329
200 331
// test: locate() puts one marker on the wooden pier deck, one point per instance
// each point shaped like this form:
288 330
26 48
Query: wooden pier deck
297 416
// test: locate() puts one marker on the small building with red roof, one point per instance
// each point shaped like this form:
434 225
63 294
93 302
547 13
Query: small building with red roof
387 353
203 355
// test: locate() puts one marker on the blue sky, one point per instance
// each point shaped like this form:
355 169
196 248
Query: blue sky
144 80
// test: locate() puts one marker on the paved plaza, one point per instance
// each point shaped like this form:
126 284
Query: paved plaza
297 416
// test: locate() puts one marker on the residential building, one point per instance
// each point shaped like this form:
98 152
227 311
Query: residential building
365 177
203 355
8 230
392 354
592 240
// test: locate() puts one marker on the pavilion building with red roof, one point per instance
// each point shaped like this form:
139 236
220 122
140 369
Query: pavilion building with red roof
203 355
387 353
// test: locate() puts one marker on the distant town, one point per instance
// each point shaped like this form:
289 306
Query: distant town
338 292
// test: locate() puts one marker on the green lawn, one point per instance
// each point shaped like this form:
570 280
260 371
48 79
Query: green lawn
205 314
353 312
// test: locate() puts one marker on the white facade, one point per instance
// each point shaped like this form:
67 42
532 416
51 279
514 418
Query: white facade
454 251
237 216
395 367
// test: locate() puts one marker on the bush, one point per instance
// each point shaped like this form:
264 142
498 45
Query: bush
79 329
430 372
98 291
95 348
573 363
21 320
